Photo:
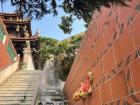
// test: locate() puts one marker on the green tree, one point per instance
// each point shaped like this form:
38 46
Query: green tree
66 24
2 2
48 47
81 9
63 51
70 46
31 8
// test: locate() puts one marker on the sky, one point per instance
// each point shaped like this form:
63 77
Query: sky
48 25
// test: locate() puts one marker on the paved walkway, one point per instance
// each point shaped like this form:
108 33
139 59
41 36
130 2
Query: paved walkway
20 88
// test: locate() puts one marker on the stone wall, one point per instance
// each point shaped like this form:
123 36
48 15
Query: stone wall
111 50
6 72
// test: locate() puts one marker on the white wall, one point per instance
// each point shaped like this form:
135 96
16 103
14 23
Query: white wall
8 71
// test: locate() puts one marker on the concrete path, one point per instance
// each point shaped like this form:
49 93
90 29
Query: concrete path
21 88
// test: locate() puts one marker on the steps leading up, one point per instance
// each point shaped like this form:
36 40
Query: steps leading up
20 88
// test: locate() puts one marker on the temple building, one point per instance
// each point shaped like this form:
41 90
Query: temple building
19 30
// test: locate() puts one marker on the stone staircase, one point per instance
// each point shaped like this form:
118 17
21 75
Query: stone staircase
21 88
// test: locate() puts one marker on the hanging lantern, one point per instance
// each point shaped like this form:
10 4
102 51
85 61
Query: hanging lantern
17 19
17 28
24 28
10 18
26 34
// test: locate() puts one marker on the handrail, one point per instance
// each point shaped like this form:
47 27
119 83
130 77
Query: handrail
37 91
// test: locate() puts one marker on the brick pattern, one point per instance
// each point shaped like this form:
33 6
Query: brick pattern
5 58
111 50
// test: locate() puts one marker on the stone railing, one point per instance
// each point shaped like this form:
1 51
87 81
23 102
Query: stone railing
36 94
7 71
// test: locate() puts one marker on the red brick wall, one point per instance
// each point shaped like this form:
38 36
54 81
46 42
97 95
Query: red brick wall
5 59
111 50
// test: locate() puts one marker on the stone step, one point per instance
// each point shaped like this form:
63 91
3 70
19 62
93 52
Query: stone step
27 76
23 84
15 102
35 75
16 95
22 79
19 84
28 73
17 89
2 98
16 77
24 70
20 88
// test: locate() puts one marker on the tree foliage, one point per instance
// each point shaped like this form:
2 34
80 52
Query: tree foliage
2 2
66 24
72 46
82 9
64 52
31 8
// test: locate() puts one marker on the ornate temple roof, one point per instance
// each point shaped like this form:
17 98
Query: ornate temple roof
17 27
